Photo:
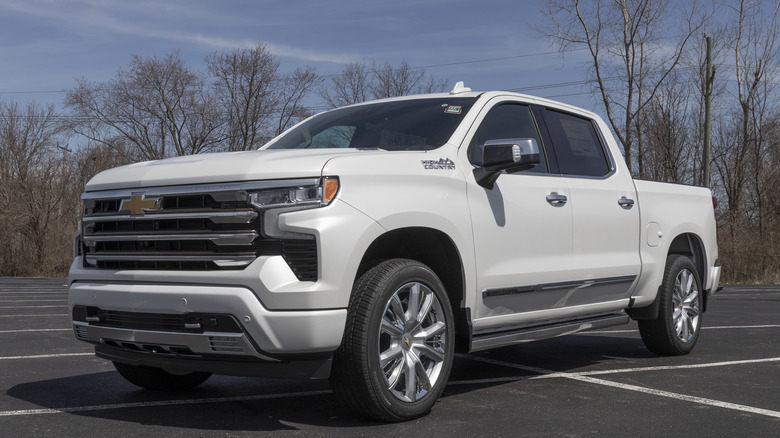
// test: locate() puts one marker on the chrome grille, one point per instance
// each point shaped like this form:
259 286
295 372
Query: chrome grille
190 228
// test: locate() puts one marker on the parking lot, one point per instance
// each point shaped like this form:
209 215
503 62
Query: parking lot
595 383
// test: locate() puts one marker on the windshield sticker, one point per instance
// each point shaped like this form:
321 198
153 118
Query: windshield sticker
452 109
440 164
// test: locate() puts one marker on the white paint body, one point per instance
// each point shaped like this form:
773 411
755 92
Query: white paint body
529 243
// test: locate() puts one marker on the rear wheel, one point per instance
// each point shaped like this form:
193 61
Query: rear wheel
677 327
159 379
398 344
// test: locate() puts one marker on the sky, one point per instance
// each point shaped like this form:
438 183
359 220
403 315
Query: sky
46 44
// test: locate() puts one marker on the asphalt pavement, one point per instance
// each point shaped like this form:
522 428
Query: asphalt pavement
601 383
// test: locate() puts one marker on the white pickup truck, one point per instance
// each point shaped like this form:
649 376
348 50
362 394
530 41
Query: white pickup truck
367 244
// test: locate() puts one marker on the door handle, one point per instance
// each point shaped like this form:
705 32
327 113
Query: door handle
556 200
626 203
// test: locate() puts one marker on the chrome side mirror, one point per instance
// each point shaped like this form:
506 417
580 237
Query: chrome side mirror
510 154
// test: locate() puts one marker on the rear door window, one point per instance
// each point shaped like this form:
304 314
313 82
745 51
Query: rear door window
577 145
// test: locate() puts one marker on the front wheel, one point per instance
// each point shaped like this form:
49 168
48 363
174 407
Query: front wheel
398 343
677 327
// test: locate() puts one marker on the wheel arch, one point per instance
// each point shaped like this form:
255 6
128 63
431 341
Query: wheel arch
691 246
433 248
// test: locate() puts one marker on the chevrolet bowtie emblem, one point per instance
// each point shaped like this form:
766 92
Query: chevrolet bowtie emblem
138 204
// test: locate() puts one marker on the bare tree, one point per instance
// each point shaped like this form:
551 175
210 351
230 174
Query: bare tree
668 134
756 60
160 106
259 101
295 87
630 54
402 80
352 85
39 213
359 82
245 82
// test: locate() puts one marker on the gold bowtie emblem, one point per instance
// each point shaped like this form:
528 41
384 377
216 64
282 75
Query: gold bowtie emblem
138 204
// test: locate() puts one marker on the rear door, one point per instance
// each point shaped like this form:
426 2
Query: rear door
605 232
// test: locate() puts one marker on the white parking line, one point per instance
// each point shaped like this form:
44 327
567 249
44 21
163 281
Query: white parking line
725 327
45 356
29 307
35 316
36 330
677 396
162 403
680 367
584 377
546 374
35 291
38 294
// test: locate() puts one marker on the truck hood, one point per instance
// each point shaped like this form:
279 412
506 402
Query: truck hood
219 168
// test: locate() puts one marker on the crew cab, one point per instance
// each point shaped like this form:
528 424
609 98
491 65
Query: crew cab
368 243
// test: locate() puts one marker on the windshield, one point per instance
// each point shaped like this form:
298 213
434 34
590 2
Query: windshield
417 125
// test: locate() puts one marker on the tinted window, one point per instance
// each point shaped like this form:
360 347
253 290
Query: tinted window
577 145
417 124
333 137
506 121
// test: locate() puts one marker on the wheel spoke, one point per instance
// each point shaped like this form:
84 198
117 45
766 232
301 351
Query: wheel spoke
415 299
678 327
678 293
422 376
393 377
389 327
393 353
396 309
410 372
428 351
417 382
685 326
692 311
692 297
687 282
425 307
431 331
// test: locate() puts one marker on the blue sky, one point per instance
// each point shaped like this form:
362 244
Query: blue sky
45 44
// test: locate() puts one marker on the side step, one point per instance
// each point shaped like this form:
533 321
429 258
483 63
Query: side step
527 334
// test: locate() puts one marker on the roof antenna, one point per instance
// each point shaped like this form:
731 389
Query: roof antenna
460 88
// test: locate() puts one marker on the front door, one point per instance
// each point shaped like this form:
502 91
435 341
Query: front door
522 227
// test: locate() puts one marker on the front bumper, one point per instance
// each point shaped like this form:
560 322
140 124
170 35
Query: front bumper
256 334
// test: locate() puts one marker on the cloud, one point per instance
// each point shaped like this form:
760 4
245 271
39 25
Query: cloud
310 55
166 21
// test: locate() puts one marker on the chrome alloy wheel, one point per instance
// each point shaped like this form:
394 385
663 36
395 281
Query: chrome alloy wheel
685 302
412 341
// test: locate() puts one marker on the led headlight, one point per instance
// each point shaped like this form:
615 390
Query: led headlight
316 195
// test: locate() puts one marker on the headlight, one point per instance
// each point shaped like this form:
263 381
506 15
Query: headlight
310 196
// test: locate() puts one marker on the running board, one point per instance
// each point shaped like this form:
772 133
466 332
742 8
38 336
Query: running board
527 334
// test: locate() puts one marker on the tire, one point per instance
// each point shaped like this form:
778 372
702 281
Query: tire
397 350
159 379
678 325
